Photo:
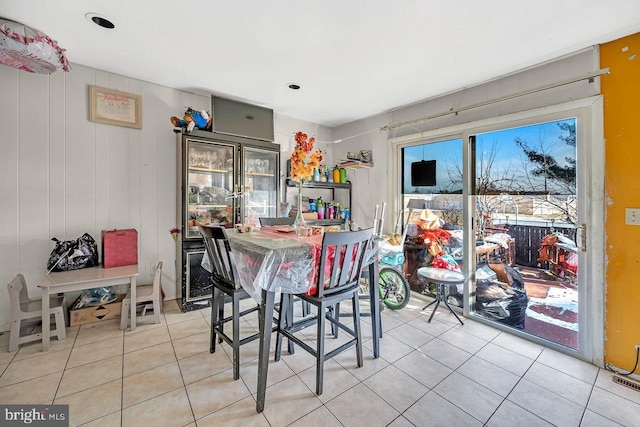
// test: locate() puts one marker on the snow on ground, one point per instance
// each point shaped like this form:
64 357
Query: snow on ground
557 302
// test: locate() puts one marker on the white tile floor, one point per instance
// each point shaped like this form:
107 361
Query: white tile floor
433 374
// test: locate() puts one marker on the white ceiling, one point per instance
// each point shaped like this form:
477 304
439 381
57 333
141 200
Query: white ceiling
352 58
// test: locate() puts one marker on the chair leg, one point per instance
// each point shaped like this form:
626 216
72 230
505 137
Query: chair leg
65 309
289 319
61 326
335 313
221 298
124 314
356 327
14 337
322 312
214 319
157 310
235 315
282 324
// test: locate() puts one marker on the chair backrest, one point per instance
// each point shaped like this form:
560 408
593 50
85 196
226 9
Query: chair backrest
17 293
219 252
157 279
269 221
341 260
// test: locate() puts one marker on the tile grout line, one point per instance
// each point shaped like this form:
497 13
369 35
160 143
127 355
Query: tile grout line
122 379
184 384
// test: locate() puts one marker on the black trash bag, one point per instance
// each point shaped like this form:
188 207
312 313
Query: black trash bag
73 254
505 304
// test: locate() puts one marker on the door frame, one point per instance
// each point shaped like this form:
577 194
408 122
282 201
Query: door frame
591 206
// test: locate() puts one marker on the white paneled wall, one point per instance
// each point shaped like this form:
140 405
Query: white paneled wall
285 130
62 175
370 185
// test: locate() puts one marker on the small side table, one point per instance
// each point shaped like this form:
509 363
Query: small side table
442 278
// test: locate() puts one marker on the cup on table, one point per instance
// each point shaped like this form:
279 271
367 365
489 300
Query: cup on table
304 231
244 228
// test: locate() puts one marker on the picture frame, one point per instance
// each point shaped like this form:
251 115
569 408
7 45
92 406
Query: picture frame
113 107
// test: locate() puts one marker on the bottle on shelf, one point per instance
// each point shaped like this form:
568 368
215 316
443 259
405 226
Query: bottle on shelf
320 208
330 212
316 174
323 173
343 175
336 174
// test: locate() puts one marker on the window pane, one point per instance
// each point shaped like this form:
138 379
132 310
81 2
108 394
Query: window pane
524 195
433 212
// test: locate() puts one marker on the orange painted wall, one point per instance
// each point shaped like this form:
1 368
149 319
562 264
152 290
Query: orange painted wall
621 91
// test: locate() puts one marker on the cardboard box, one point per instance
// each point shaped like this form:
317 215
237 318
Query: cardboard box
95 313
119 247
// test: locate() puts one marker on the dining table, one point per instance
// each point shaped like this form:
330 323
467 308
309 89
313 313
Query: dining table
275 259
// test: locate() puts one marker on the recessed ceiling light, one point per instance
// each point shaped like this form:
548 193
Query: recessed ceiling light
99 20
294 86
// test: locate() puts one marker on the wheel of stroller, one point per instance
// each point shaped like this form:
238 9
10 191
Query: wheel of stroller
394 288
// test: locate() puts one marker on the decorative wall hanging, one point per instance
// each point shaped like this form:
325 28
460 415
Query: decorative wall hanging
29 50
113 107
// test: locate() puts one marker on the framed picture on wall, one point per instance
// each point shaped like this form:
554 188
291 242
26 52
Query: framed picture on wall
113 107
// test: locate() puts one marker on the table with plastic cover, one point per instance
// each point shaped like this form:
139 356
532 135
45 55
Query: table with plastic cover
442 278
270 260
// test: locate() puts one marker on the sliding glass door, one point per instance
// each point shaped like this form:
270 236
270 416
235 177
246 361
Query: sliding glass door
525 209
517 206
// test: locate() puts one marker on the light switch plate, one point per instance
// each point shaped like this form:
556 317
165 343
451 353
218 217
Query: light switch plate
632 216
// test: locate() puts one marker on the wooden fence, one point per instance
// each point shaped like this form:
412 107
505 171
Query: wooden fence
528 239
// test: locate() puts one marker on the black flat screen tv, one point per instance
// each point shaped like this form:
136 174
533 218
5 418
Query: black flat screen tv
237 118
423 173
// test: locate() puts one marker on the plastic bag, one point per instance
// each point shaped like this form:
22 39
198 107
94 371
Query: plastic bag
445 261
96 296
73 254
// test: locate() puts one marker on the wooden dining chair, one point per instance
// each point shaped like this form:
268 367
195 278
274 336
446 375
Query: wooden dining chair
24 308
224 277
147 296
339 268
269 221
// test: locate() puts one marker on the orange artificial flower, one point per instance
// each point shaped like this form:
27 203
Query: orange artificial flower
301 167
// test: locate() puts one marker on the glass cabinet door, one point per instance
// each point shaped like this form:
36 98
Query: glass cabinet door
209 185
260 184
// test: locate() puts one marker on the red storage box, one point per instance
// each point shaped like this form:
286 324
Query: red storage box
119 247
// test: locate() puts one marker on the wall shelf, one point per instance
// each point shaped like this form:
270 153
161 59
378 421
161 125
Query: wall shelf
355 165
330 186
